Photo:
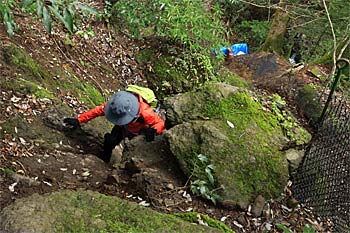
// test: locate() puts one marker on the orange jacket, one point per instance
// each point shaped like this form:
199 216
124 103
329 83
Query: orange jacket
151 119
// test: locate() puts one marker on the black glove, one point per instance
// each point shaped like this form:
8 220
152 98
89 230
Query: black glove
140 120
72 123
149 133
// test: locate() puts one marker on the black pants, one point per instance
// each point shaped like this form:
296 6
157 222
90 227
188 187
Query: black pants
112 139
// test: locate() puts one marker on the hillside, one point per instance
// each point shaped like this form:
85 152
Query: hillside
45 78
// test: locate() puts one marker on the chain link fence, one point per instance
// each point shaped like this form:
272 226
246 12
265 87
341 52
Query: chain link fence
323 178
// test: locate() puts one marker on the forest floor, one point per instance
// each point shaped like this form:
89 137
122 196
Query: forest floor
113 51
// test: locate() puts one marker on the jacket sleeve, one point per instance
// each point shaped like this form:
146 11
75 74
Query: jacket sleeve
152 119
93 113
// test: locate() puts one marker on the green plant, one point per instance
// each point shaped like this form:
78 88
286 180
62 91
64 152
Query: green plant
181 21
106 14
7 171
287 122
86 34
185 24
205 188
7 16
253 32
65 11
307 228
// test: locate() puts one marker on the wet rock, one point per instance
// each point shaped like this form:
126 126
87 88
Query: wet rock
258 206
292 203
294 158
267 211
116 156
113 178
242 220
134 165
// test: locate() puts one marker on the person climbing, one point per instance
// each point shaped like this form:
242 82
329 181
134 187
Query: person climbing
131 116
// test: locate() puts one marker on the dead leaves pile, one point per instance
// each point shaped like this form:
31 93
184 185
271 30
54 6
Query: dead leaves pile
25 108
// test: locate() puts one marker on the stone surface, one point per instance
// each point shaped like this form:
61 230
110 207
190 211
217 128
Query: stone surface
294 158
86 211
246 153
258 206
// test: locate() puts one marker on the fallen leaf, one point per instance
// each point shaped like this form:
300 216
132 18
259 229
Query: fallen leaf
230 124
12 187
15 99
144 203
85 174
47 183
23 142
237 224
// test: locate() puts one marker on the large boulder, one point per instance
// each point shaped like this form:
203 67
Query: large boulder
239 137
86 211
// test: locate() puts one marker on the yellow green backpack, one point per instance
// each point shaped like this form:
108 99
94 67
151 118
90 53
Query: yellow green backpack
146 93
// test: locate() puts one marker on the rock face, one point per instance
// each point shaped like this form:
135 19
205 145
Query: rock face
80 211
241 140
153 169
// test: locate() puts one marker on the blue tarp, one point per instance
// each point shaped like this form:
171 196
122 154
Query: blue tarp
236 48
241 48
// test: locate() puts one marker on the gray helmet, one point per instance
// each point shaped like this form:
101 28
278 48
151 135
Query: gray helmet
122 108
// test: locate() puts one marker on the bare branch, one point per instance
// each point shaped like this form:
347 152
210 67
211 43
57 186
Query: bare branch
334 38
260 6
347 42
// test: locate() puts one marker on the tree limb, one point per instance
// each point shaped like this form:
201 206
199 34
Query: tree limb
334 39
347 42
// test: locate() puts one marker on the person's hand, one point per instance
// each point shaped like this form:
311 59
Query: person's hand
149 133
72 123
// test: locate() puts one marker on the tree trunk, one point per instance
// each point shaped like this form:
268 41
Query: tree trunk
275 39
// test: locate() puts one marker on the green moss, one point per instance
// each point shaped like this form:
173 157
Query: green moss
241 110
88 212
89 95
7 171
37 89
290 126
228 77
308 102
18 57
145 56
255 167
193 218
27 87
166 70
38 81
249 161
172 72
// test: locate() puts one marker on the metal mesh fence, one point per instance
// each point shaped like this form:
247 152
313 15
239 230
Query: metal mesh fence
323 178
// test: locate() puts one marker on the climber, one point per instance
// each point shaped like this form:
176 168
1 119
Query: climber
131 116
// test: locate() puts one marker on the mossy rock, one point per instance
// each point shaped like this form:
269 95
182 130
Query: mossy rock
239 137
224 75
87 211
170 73
308 103
42 89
